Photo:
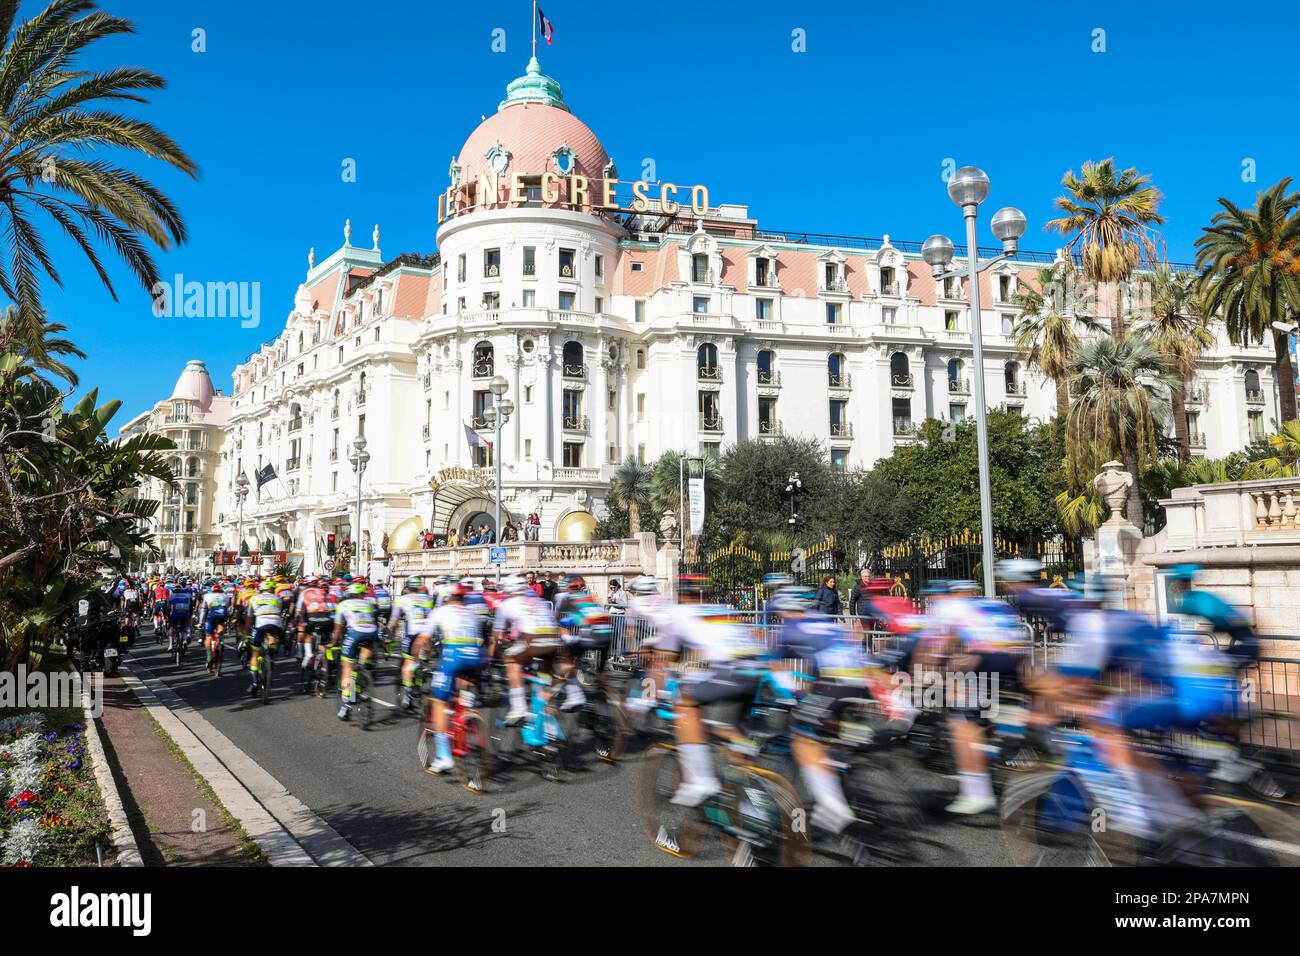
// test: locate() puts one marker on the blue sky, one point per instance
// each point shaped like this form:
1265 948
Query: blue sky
848 137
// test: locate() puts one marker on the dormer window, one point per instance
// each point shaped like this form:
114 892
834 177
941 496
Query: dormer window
1004 288
761 272
888 283
565 160
699 268
832 275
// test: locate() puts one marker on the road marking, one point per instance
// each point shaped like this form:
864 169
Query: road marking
287 830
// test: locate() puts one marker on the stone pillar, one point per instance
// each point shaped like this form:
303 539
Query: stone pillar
1118 541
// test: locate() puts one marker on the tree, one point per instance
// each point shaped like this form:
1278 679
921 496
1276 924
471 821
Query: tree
629 491
52 116
1249 261
1283 462
751 501
864 510
940 474
1177 330
1109 218
1045 332
1117 410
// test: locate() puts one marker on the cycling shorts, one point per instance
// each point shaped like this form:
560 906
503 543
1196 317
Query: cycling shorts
214 619
458 660
353 641
180 619
817 714
731 686
262 631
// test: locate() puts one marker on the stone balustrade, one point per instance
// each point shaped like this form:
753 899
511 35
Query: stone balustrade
598 560
1234 514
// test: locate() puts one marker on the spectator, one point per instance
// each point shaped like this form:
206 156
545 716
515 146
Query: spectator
533 583
549 587
828 599
616 601
860 596
534 526
453 539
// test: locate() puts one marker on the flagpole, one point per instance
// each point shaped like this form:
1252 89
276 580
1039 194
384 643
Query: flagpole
534 29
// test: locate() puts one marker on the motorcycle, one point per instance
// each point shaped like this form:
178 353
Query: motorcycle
98 641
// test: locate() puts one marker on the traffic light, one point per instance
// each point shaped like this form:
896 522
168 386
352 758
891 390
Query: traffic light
329 545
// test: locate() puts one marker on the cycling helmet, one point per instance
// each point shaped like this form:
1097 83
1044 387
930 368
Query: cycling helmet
964 587
490 585
346 577
515 584
575 582
356 589
459 591
644 584
774 582
413 583
1018 570
267 587
793 600
216 589
1184 572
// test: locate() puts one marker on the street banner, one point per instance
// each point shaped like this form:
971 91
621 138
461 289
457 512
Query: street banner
695 493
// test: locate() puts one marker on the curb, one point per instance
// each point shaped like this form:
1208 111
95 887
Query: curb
128 850
288 832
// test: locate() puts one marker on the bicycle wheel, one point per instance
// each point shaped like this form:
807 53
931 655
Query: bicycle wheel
1050 819
608 725
474 766
773 819
364 698
1235 833
677 831
268 669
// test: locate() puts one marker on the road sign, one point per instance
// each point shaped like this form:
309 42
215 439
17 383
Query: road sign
329 565
496 555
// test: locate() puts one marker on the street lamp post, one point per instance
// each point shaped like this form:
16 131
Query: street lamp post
241 492
968 188
359 458
497 415
793 485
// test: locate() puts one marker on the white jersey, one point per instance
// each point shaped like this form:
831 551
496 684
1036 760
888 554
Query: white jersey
457 624
524 614
710 630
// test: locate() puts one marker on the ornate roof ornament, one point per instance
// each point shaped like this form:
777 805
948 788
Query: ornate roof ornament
534 87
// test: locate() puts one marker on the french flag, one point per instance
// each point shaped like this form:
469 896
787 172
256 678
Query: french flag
548 31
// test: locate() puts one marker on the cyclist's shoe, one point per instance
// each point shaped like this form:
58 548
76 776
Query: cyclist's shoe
834 818
408 700
253 689
345 712
441 765
1264 784
693 794
968 806
517 715
1025 757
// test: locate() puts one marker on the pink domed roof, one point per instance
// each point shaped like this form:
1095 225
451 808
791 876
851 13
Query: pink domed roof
531 124
194 385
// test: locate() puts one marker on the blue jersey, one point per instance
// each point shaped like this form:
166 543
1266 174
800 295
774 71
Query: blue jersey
831 649
181 602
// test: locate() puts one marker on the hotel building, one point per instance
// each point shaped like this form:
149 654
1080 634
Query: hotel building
626 319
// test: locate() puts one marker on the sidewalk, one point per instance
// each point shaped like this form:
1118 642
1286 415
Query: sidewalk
173 814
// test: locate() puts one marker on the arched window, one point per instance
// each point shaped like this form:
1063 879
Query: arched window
954 371
299 341
334 407
1252 381
640 358
573 360
191 467
699 268
706 360
1012 373
835 373
899 373
766 373
483 360
176 467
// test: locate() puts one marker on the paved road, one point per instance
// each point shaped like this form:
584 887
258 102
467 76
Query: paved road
369 787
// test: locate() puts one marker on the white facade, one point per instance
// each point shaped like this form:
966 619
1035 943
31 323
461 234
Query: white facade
618 335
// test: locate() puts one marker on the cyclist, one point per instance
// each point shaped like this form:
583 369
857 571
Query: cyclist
383 599
160 598
584 626
131 602
180 607
314 613
526 621
409 613
354 623
265 615
461 630
213 616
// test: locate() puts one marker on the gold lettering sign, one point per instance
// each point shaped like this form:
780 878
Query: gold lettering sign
577 193
664 204
550 188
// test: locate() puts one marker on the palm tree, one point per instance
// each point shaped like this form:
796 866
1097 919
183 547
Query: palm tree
1177 330
1286 454
629 490
1109 218
1045 332
52 117
1250 274
1117 409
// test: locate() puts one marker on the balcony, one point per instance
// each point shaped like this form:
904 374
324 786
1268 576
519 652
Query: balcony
901 381
708 373
958 386
769 378
578 371
1195 394
482 369
566 270
835 285
295 424
841 380
1015 389
1254 396
576 423
765 282
904 428
292 464
710 423
841 429
361 398
1196 441
530 268
492 271
480 424
334 454
769 426
952 292
424 431
889 289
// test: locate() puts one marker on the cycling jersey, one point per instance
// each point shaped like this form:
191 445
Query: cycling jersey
181 604
982 625
383 600
411 609
524 615
216 604
356 614
833 652
708 629
266 611
457 624
130 596
315 609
